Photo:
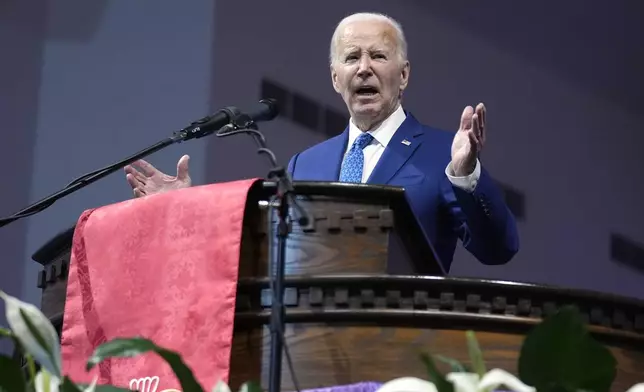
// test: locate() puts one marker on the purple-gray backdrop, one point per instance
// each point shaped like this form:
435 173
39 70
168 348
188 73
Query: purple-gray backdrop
86 83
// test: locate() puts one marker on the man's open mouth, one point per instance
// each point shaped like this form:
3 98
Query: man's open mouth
366 91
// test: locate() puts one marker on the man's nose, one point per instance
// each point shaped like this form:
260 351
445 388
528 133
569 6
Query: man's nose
364 69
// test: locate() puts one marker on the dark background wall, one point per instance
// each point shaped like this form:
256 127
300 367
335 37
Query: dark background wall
21 46
83 84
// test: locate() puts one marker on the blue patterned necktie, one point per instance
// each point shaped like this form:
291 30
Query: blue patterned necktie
354 160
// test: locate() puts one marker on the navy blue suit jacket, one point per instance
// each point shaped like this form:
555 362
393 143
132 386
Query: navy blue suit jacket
445 212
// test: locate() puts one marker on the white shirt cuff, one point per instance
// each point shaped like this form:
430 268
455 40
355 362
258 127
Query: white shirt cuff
467 183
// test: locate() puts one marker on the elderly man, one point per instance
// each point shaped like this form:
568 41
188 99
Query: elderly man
450 192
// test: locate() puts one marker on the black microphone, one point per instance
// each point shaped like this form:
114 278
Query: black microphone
265 110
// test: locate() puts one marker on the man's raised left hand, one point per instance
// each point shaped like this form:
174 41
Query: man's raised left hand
468 141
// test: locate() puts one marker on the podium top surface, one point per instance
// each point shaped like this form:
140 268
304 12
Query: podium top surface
341 189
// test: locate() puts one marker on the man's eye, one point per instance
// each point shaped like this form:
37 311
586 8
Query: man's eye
379 56
351 57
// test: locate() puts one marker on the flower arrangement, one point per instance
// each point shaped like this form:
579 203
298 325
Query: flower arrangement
558 355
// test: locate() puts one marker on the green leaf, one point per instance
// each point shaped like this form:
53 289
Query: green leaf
31 365
8 334
55 362
44 345
476 356
454 364
137 346
435 376
559 354
5 333
11 378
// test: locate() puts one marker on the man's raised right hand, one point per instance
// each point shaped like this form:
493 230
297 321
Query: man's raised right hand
146 179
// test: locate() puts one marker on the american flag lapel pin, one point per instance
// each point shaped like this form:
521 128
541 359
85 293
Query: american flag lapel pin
406 142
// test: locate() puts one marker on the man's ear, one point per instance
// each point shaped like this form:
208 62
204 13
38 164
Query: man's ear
404 75
334 79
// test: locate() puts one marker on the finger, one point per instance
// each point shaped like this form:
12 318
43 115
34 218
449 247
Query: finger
133 181
481 111
135 173
138 192
129 169
474 141
466 118
476 126
182 168
145 168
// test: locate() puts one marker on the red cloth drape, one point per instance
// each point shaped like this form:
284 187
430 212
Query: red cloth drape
163 267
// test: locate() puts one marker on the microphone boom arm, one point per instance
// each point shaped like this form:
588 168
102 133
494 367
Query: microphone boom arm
85 180
197 129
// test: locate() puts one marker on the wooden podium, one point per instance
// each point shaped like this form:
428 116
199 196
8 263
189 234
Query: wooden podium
365 295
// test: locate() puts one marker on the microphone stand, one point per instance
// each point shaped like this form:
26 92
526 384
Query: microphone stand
241 123
197 129
285 196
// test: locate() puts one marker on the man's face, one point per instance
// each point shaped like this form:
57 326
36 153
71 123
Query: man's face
368 71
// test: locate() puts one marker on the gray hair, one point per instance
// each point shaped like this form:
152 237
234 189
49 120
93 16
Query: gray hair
401 43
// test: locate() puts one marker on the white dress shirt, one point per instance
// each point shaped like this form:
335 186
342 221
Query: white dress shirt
381 137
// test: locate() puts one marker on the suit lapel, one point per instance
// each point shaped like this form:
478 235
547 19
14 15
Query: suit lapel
400 148
333 154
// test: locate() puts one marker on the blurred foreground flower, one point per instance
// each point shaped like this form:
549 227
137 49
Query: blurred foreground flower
462 382
636 388
221 386
492 380
45 382
408 384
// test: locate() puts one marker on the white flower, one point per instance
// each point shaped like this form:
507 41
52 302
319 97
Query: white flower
221 387
48 355
636 388
463 382
45 382
471 382
407 384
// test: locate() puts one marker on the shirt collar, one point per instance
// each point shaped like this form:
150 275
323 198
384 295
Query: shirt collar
384 132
